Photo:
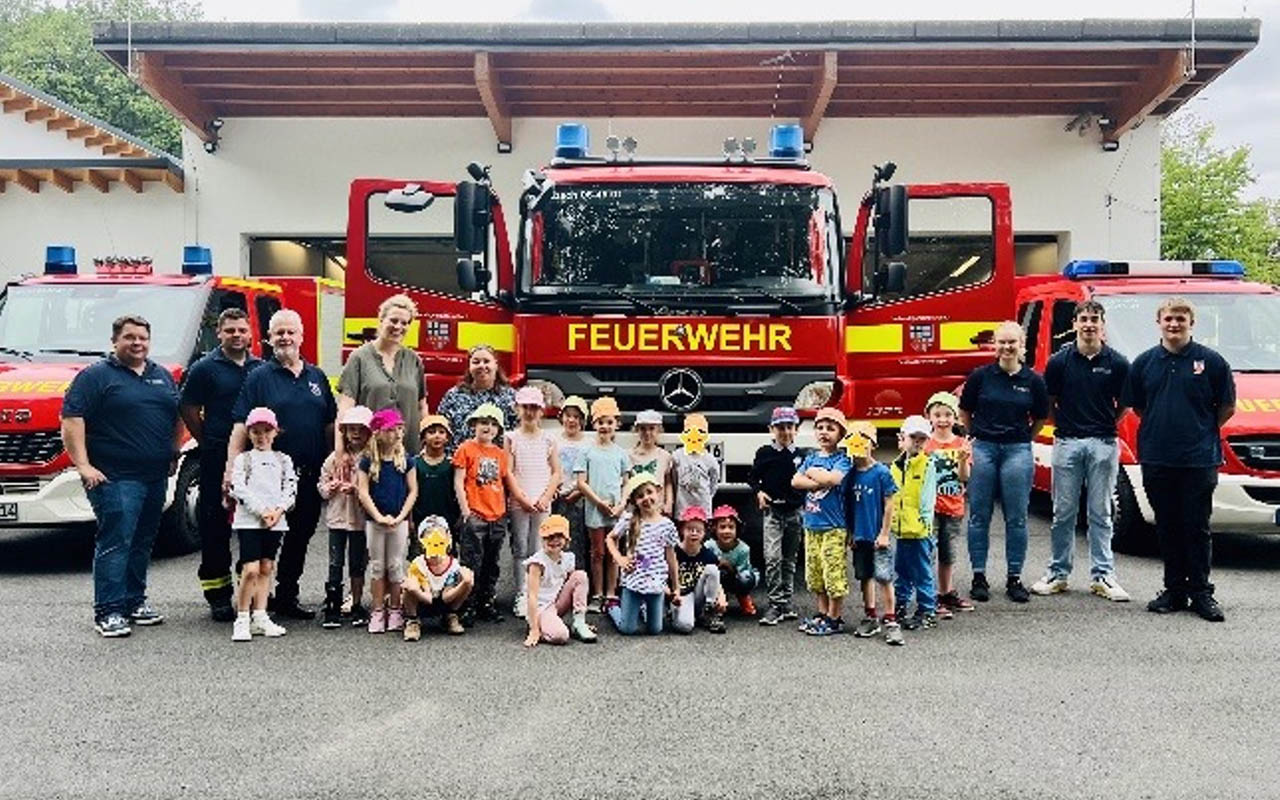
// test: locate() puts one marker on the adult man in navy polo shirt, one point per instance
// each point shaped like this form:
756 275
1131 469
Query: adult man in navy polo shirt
209 391
120 428
1084 380
299 393
1184 392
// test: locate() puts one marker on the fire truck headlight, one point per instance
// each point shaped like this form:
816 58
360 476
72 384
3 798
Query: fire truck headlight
815 395
553 394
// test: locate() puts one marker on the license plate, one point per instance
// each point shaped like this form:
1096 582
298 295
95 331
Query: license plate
8 512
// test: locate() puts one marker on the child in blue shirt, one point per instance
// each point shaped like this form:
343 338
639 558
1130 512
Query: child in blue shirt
820 476
868 493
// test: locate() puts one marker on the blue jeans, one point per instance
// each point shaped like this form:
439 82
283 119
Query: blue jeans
128 514
1006 469
915 577
626 615
1092 463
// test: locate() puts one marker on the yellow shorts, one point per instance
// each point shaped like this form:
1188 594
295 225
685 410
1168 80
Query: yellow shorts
825 566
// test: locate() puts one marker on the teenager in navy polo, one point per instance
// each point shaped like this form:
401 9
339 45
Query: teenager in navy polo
209 392
1183 392
120 427
1003 405
1085 379
300 396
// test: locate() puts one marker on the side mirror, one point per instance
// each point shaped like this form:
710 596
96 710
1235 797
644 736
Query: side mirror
409 199
891 220
891 278
472 277
471 218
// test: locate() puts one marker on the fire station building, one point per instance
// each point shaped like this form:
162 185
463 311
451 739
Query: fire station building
279 118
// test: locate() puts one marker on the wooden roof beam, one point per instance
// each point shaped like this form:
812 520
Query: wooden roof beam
173 181
28 181
494 99
61 122
820 91
132 179
6 91
40 112
116 147
19 103
98 180
98 139
168 88
81 130
63 180
1172 70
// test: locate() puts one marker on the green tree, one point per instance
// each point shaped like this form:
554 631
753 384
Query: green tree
1203 212
50 46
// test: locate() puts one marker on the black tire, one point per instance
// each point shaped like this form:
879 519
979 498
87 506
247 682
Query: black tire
179 527
1132 533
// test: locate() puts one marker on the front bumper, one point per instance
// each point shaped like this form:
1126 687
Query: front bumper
1234 510
57 500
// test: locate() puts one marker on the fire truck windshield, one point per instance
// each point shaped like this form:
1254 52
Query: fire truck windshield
716 245
1244 328
75 319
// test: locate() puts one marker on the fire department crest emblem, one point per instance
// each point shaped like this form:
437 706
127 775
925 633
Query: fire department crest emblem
920 336
437 333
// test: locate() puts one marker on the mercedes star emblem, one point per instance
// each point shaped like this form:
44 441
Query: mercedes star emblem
680 388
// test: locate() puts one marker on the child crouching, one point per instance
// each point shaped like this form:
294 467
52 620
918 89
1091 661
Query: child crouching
554 586
737 576
698 595
436 585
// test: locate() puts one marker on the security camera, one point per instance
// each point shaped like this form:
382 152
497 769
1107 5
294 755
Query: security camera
211 147
216 123
1110 145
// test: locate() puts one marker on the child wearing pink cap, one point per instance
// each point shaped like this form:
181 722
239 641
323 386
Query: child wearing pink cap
388 485
738 577
535 474
264 486
344 517
698 596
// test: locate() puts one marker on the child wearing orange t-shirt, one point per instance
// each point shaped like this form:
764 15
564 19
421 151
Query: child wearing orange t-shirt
952 455
481 474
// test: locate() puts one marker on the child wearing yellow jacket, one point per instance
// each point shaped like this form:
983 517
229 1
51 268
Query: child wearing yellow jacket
916 476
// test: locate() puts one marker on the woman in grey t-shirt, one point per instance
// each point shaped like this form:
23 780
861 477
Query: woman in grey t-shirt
384 373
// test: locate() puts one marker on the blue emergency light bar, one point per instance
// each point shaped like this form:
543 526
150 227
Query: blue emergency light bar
1076 270
59 259
197 260
786 141
573 139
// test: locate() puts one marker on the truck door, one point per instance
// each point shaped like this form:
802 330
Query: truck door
390 251
902 346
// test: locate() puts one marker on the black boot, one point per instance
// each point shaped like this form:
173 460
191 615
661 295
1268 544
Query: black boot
332 606
218 594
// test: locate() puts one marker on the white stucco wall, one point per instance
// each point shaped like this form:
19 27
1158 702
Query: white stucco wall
290 177
280 176
22 139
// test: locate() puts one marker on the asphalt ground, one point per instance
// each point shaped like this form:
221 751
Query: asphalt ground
1068 696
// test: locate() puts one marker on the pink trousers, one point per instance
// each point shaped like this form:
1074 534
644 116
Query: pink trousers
572 595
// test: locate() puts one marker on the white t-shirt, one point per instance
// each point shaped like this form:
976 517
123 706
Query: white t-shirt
554 574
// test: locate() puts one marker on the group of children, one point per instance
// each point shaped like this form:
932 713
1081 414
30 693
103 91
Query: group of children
640 517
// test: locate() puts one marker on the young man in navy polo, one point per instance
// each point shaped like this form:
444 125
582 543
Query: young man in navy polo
300 396
209 391
1084 380
120 427
1184 392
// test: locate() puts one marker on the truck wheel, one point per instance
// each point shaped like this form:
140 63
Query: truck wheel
180 528
1132 533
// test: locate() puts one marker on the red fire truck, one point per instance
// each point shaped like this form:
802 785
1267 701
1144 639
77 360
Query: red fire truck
719 285
1238 318
53 325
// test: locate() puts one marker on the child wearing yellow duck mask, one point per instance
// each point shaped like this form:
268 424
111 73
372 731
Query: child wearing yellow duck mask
696 471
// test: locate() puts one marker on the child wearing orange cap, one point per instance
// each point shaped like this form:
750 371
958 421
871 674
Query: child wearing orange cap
696 472
738 577
554 586
436 497
602 471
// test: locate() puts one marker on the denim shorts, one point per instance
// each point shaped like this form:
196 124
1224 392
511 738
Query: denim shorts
870 561
945 528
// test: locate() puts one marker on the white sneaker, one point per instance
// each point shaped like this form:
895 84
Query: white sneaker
520 607
1107 587
240 630
262 625
1049 584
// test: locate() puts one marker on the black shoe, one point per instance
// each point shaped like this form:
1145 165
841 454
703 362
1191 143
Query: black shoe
488 613
910 623
289 607
980 590
359 616
1203 604
223 613
468 617
1167 602
331 616
1015 590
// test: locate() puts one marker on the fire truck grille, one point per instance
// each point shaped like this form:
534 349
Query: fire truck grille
734 399
30 448
1257 452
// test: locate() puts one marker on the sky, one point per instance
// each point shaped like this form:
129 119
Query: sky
1243 104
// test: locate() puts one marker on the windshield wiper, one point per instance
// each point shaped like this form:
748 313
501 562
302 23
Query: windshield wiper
777 298
637 302
13 351
70 351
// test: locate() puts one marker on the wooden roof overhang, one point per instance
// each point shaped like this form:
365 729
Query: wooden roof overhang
1117 71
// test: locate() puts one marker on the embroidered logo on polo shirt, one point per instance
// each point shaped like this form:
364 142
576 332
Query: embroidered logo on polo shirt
315 388
1022 388
1197 367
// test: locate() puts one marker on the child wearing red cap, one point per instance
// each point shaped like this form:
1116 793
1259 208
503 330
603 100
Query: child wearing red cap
733 556
388 486
699 595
